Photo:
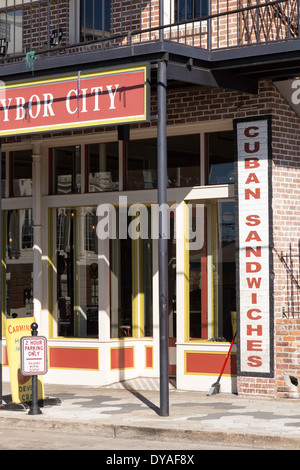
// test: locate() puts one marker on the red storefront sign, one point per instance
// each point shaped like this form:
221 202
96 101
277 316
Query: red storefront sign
75 101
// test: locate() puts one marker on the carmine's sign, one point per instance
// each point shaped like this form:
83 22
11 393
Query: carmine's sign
255 300
78 100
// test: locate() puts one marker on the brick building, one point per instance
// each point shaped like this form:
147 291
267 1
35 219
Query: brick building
220 112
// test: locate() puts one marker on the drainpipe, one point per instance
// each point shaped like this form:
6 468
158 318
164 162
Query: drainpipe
162 241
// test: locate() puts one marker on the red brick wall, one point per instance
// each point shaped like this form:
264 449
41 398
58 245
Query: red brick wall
287 357
35 24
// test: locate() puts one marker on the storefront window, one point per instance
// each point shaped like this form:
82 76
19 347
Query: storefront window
225 277
183 162
141 165
21 173
131 283
220 157
77 272
19 263
211 270
3 174
147 285
103 167
65 166
172 277
198 314
121 288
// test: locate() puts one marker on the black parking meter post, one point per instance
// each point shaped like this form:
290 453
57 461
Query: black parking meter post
34 409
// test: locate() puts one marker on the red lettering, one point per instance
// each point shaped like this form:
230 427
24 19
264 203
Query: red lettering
253 345
253 282
251 329
249 129
252 178
255 251
253 267
253 220
256 147
251 163
253 235
254 298
254 361
251 316
255 194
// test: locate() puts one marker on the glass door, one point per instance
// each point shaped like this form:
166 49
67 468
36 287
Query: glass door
197 273
76 272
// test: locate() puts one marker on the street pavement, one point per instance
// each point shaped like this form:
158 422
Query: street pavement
131 411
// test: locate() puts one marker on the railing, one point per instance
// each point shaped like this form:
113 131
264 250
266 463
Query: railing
291 263
51 27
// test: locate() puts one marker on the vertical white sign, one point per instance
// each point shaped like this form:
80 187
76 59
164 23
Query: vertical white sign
254 256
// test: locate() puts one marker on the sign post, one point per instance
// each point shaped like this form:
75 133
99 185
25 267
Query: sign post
34 362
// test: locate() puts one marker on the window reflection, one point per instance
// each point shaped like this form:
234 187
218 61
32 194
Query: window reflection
66 170
220 158
225 269
11 28
198 272
21 169
103 167
19 263
94 19
131 283
3 174
183 162
141 164
214 225
77 272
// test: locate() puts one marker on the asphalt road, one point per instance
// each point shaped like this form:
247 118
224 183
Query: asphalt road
20 439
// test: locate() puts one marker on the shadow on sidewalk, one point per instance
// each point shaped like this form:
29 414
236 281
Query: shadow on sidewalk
143 399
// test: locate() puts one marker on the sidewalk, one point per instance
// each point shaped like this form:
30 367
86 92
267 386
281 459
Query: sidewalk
194 416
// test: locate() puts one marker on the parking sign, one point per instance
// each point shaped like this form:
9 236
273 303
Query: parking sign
34 360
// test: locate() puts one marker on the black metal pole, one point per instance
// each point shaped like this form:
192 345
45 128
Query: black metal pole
163 240
34 408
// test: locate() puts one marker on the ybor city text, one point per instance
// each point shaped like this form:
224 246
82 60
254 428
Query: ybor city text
80 100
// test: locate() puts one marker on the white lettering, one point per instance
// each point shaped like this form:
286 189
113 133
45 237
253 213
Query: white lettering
112 95
83 109
31 105
20 108
6 108
96 90
295 94
68 101
48 100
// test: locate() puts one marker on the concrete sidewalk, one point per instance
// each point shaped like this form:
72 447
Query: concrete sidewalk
132 411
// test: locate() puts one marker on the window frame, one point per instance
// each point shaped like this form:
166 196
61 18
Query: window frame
75 23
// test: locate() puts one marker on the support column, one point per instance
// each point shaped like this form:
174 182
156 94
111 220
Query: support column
37 234
163 241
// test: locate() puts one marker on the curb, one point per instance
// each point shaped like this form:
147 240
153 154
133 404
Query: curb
234 438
